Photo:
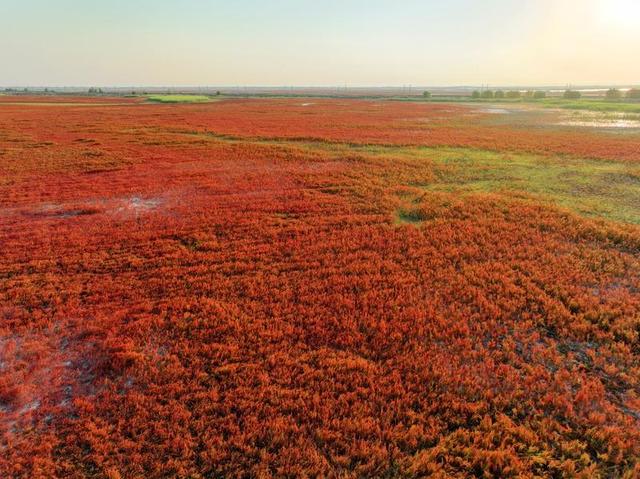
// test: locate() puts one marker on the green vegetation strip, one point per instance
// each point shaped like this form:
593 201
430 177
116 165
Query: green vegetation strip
179 98
589 104
593 188
590 187
593 105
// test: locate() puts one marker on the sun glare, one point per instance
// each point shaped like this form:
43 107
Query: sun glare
620 13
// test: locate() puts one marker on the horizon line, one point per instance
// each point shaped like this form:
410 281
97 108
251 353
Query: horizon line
341 86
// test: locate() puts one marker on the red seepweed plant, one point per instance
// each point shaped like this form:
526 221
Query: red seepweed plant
222 290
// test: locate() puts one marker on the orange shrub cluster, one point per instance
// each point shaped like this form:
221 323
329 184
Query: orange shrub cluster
184 305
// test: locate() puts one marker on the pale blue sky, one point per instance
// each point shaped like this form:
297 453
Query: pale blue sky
314 42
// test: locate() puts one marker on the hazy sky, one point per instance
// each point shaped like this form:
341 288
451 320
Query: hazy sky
318 42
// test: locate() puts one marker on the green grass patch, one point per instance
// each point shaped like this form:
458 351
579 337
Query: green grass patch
620 106
588 104
594 188
590 187
179 98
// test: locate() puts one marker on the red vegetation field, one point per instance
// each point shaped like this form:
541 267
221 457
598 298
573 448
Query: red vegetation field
224 290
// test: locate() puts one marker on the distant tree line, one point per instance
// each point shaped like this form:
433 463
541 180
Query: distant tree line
511 94
615 94
95 91
632 94
569 94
